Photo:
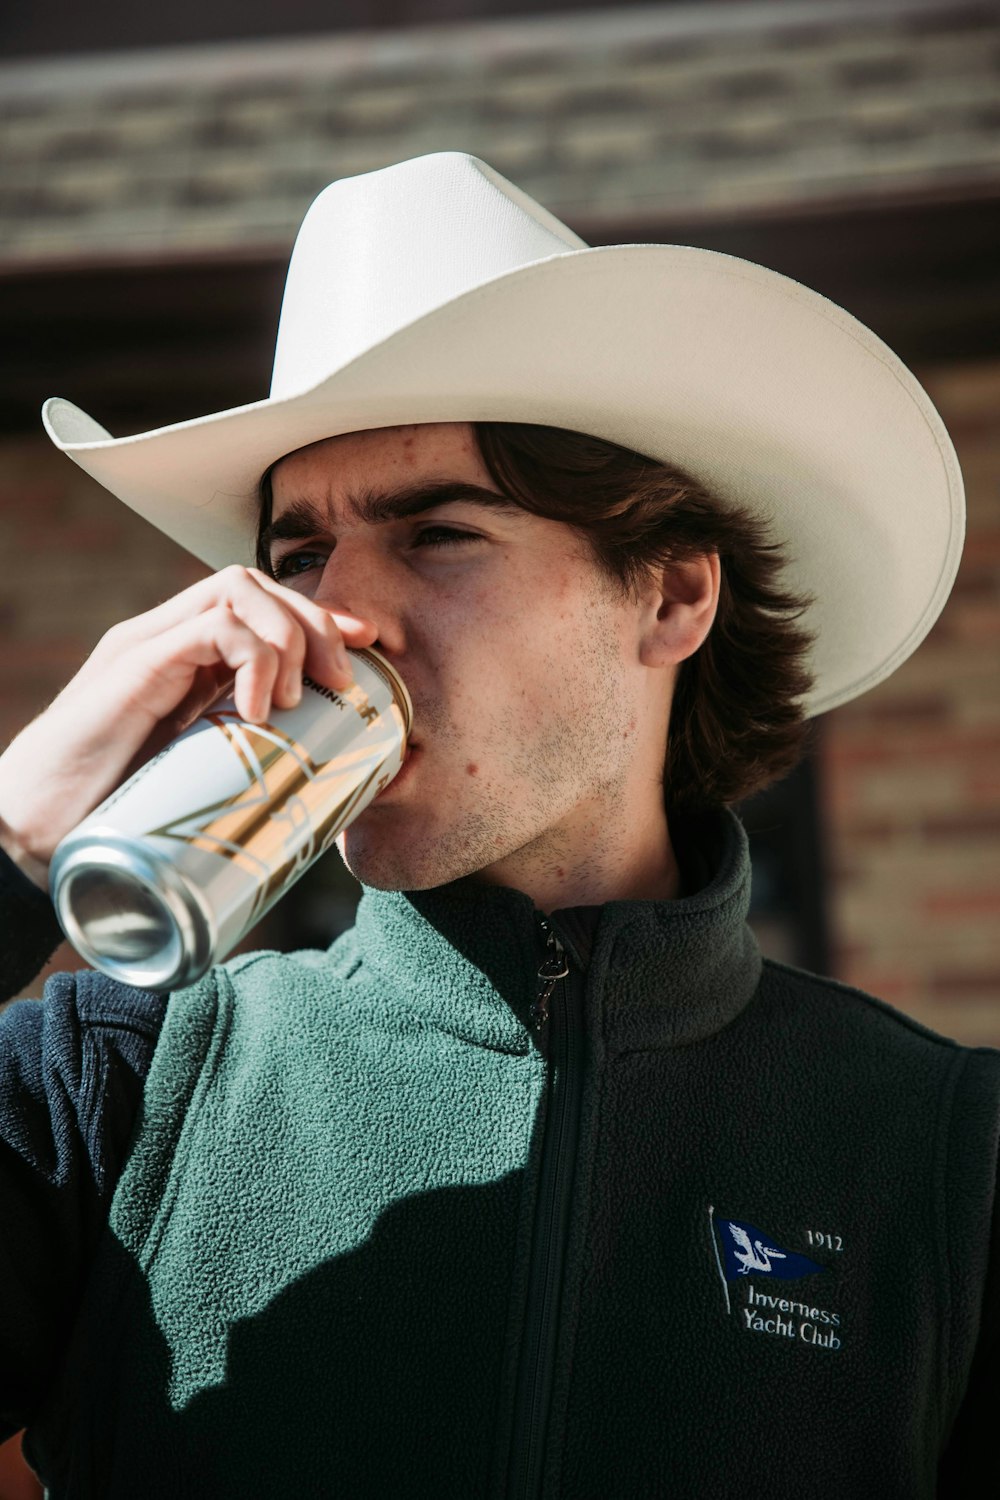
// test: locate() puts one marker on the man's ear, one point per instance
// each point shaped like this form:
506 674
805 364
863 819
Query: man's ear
680 608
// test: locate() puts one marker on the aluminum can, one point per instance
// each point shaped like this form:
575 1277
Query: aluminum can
164 878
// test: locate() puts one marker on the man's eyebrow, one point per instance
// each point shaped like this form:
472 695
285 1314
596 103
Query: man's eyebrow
303 518
374 507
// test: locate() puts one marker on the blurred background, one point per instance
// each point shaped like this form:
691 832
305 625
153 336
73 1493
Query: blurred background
154 166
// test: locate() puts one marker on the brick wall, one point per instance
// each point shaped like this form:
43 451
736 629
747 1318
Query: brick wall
911 776
75 561
910 773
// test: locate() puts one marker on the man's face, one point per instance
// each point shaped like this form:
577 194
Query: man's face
520 661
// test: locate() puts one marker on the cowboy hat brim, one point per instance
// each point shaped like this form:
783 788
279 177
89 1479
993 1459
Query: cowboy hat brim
770 395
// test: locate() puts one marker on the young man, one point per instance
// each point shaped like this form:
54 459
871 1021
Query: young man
541 1181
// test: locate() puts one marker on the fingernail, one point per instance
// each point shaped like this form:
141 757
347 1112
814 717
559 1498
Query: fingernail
344 663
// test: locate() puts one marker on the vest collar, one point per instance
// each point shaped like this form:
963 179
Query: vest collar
463 957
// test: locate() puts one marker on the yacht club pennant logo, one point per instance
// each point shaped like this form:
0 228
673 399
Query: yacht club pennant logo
749 1251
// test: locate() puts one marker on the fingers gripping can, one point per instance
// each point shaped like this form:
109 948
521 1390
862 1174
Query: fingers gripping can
164 878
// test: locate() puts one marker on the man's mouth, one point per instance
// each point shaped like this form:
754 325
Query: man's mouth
412 754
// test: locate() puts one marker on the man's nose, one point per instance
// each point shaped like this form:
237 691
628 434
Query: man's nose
356 581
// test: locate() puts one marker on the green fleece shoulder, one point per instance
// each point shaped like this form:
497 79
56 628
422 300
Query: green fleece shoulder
198 1031
336 962
293 1107
191 1041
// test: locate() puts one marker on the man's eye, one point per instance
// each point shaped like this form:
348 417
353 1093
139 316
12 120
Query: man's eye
443 536
294 563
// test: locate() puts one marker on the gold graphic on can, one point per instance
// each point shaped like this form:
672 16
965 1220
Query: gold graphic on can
290 809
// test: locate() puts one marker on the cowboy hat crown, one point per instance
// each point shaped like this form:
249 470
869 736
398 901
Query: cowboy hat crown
353 276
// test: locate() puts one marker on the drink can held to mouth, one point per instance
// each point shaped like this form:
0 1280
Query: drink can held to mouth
164 878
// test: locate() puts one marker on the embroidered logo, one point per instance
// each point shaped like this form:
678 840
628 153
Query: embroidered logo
747 1251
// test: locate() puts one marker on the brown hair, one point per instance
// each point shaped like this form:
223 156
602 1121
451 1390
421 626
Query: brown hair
736 722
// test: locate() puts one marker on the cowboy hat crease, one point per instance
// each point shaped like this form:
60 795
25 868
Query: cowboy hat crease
436 291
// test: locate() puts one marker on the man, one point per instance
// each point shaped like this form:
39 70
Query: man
541 1181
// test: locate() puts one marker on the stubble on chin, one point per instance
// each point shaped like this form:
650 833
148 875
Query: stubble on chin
389 860
510 821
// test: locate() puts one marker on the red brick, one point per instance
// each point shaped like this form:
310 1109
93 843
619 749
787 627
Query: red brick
947 904
977 824
961 985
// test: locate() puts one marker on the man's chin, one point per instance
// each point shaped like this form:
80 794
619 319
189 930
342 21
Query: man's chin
387 863
384 866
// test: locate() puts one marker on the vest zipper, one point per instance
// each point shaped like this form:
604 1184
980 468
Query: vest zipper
557 1015
554 966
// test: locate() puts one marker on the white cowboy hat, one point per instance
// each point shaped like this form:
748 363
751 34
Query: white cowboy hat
436 291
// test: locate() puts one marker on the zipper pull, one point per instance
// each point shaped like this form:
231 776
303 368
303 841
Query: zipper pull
554 966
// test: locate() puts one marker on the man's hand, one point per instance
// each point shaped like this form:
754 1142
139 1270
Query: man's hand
147 680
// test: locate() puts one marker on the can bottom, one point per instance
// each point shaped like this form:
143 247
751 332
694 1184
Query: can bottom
126 919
